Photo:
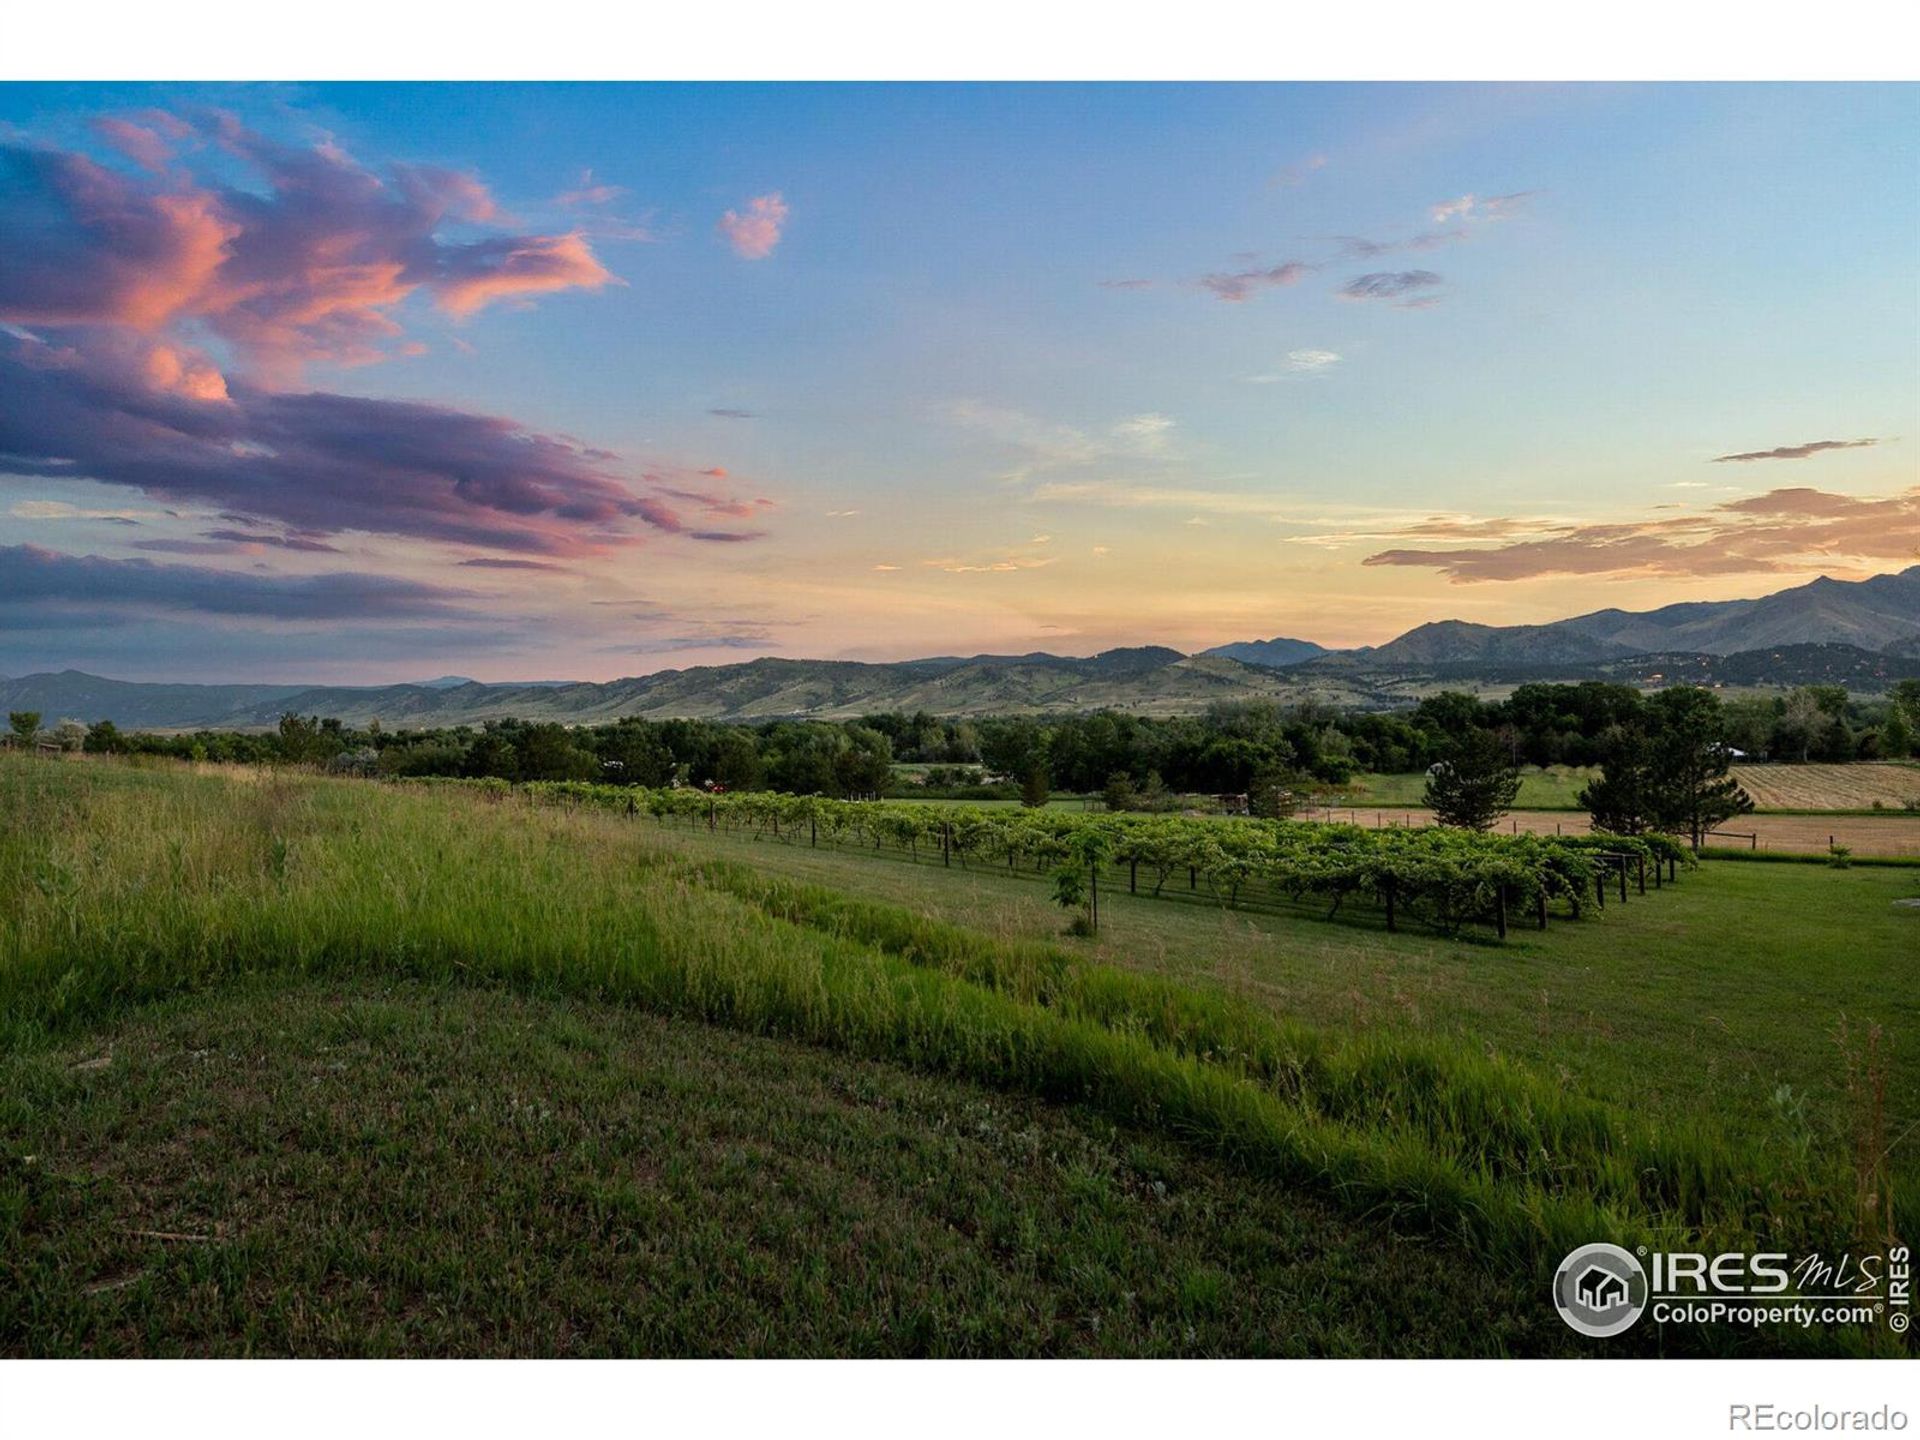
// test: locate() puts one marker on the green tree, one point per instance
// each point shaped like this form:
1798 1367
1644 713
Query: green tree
1033 789
1076 883
299 737
1153 795
1120 794
640 756
25 725
1690 764
547 752
491 756
104 738
1273 792
1896 734
1815 720
736 760
863 766
1621 799
1011 747
1476 784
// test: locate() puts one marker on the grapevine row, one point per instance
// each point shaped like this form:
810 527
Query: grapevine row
1440 877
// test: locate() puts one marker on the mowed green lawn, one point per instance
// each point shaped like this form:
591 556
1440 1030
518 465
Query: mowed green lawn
290 1065
1698 1000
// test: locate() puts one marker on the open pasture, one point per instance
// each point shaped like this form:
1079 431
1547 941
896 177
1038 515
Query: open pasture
1859 785
233 1015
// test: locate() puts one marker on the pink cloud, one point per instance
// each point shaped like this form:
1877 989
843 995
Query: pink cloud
114 281
1780 531
143 145
587 192
754 234
305 263
521 266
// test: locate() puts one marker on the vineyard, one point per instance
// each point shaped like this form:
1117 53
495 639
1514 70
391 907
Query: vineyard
1445 879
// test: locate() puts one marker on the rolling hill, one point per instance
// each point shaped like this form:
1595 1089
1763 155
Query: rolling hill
1278 653
1865 634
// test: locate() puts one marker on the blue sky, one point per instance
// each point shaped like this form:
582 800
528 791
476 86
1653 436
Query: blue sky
1014 367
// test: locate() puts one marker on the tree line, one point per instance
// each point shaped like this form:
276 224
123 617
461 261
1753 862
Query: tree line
1258 748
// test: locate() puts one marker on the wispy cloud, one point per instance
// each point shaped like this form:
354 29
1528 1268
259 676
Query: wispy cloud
87 406
1300 362
1474 207
45 510
1300 171
1796 452
51 584
754 232
1358 247
1243 285
989 567
1144 432
589 192
1780 531
501 562
1404 288
727 413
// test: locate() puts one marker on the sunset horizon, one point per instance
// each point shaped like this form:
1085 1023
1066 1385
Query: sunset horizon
851 683
374 381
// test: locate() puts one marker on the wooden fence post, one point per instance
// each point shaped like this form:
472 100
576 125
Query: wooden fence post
1500 910
1623 879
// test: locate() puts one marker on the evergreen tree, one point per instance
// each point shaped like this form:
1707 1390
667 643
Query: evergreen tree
1692 789
1033 789
1621 799
1476 784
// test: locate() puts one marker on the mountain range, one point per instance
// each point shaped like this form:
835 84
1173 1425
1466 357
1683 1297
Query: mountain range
1865 634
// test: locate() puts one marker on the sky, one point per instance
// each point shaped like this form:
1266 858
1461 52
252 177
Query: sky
373 382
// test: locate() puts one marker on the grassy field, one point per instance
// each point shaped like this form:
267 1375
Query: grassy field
1811 789
1857 786
1694 1003
302 1066
381 1168
1554 787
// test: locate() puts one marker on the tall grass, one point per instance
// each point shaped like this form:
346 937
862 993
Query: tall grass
119 886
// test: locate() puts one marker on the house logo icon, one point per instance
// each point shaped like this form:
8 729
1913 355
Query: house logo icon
1600 1290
